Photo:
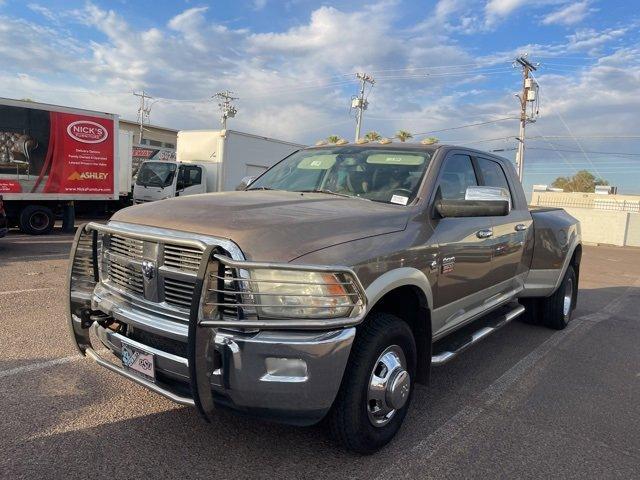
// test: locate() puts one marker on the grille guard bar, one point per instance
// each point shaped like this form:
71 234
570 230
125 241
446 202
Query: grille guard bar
201 333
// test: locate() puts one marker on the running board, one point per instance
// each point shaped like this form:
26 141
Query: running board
458 343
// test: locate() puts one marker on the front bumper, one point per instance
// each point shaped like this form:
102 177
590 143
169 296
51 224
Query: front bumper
291 376
245 378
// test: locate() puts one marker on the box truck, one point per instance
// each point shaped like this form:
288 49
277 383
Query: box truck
209 161
54 159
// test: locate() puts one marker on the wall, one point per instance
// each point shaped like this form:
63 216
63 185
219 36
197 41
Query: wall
607 227
151 132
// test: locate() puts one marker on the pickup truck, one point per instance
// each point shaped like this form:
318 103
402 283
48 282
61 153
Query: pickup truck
326 289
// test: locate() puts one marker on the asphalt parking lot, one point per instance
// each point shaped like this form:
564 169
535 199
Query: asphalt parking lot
526 403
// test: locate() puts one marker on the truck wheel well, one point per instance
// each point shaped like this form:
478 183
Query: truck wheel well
410 304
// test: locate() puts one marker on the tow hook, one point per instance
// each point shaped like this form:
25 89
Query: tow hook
88 316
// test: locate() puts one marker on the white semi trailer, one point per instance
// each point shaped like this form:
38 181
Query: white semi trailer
209 161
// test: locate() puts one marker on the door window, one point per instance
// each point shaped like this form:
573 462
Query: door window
493 175
189 176
457 175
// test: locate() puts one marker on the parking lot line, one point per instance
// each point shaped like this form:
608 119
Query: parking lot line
39 365
465 417
26 290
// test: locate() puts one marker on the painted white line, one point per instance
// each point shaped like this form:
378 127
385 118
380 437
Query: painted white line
39 366
27 290
461 421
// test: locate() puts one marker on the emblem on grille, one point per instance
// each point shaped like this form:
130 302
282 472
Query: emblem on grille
148 269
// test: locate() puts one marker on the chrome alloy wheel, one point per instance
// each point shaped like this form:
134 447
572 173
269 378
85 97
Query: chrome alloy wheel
568 298
389 386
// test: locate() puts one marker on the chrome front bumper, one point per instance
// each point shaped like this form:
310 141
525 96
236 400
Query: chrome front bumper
292 377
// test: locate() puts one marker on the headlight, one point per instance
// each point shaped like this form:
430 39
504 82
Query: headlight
257 293
294 293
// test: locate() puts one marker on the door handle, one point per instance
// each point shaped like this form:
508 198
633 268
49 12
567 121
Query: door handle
521 227
484 233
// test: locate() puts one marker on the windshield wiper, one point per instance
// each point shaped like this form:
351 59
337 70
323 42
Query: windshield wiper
329 192
262 188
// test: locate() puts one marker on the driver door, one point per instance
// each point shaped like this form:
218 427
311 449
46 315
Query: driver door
464 248
189 180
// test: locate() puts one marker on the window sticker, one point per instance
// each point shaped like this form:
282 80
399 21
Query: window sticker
399 199
317 162
395 159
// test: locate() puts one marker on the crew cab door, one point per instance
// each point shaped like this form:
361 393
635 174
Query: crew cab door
464 246
510 232
189 180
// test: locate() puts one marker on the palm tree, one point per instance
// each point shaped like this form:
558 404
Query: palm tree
372 136
403 135
333 139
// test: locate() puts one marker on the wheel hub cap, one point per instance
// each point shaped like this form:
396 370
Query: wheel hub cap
389 386
568 298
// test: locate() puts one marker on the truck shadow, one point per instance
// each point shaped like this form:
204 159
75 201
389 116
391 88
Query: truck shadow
176 443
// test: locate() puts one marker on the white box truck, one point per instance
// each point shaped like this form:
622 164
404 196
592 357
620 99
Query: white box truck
209 161
55 159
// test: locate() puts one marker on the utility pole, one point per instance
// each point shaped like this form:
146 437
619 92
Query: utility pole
529 94
144 110
360 103
226 107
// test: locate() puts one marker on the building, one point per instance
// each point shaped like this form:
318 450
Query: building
153 135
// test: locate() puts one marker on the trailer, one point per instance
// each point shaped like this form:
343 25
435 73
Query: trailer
209 161
54 159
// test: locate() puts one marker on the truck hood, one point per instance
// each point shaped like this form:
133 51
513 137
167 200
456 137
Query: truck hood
272 225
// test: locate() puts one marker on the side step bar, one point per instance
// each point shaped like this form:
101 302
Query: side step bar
451 351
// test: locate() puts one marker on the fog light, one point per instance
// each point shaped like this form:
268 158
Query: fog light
285 370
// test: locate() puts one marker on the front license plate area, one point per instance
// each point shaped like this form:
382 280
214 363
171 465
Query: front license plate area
139 362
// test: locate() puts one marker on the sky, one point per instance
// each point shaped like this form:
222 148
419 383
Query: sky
438 65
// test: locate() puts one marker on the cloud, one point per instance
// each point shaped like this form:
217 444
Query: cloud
259 4
569 14
296 84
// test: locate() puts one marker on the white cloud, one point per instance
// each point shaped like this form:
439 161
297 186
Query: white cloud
569 14
259 4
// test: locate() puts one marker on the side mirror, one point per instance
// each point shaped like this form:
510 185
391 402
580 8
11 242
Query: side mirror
245 182
478 202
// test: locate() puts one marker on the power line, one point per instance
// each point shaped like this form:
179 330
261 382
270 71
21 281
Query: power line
465 126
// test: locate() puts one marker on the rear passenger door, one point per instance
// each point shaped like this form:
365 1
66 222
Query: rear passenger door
509 232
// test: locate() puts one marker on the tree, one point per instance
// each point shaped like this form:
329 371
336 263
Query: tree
333 138
403 135
582 181
372 136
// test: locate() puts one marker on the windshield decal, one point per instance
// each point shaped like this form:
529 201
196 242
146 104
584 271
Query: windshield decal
399 199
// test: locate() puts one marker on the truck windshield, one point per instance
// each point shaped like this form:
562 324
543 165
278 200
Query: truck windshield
383 175
156 174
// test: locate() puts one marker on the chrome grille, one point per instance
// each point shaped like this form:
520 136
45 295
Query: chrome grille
126 277
174 269
182 257
126 246
178 292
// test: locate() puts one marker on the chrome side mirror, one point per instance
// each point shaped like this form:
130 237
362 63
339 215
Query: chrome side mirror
478 202
492 194
245 182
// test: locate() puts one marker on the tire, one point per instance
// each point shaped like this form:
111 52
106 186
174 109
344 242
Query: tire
556 310
36 220
354 420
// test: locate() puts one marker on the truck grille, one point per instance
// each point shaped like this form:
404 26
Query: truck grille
128 247
178 292
126 277
228 293
174 270
182 258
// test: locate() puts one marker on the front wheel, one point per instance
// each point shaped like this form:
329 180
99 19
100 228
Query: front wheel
377 386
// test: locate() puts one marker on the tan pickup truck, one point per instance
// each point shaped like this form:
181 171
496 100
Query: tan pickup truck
326 288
